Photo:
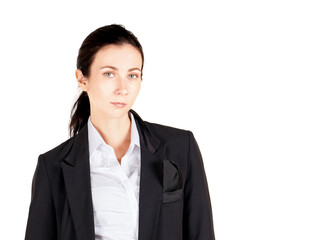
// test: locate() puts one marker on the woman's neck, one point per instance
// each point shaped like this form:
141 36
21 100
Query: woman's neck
114 131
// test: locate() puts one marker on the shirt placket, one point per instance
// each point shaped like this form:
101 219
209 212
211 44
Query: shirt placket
127 185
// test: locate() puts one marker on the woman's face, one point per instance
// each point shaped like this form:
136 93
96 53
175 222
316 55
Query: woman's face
115 76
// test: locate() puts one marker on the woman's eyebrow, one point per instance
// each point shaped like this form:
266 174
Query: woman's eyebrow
131 69
114 68
107 66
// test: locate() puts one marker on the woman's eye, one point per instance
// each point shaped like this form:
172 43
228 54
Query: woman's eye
133 76
109 74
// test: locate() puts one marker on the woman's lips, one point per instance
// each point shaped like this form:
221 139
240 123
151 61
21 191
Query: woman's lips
119 104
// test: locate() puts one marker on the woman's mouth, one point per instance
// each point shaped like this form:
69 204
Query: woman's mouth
119 104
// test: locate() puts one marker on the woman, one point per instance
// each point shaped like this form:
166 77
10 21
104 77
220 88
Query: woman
118 177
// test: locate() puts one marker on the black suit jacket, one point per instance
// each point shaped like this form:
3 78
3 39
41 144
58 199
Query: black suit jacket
174 201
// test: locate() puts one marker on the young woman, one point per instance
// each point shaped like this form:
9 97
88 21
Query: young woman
118 177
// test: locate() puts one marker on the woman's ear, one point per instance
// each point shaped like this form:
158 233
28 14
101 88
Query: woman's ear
82 80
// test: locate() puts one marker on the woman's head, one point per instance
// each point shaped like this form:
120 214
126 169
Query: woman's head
109 69
106 35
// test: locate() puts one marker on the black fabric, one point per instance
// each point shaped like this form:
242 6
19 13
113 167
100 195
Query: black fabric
174 200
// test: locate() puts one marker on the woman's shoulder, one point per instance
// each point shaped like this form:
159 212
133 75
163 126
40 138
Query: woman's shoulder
59 151
166 131
161 130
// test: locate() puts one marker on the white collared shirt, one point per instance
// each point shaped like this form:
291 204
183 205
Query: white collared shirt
115 186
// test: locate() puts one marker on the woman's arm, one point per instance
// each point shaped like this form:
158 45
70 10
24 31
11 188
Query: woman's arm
197 218
41 223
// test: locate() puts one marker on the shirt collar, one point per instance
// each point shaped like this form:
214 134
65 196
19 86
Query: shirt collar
95 138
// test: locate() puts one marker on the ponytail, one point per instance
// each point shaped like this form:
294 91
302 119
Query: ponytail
80 113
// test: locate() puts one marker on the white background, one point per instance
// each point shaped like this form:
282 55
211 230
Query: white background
243 76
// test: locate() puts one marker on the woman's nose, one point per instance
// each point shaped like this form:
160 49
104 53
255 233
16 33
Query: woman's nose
122 86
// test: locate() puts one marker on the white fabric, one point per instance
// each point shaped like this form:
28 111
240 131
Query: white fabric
115 186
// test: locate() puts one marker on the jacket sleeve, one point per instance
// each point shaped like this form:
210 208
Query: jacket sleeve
197 214
41 220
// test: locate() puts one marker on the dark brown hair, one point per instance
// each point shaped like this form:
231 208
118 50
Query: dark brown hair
110 34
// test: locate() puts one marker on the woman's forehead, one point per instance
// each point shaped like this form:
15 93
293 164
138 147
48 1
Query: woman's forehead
124 55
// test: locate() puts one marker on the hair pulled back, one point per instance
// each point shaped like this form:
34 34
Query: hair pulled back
109 34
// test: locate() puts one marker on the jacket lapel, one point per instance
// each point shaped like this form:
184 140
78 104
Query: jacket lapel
76 172
152 154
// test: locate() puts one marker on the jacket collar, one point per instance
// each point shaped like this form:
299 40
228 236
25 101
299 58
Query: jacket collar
81 140
76 172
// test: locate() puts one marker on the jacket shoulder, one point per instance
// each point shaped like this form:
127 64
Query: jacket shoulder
167 132
60 151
